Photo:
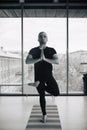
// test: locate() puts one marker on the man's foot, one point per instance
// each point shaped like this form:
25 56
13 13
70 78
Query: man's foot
53 99
44 119
34 84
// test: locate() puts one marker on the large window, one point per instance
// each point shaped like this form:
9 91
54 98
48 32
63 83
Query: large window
55 27
10 55
77 50
67 34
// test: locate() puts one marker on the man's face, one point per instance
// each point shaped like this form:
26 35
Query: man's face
42 38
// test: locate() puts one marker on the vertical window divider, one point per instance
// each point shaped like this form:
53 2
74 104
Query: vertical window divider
67 43
22 47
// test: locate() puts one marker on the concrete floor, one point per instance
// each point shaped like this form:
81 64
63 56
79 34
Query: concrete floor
15 111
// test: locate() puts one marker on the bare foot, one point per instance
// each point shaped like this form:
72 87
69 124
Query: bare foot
34 84
44 119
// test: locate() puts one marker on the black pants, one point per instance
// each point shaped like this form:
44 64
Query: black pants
49 85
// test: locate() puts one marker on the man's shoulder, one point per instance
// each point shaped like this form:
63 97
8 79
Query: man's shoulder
34 48
50 48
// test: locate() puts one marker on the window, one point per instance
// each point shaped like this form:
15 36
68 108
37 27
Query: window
15 74
10 53
46 20
77 50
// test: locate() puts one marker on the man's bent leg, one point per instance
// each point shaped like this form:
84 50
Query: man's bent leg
52 86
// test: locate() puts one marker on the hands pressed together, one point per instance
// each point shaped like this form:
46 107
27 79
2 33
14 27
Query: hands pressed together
42 57
54 60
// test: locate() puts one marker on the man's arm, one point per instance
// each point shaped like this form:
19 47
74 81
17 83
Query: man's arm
54 60
30 60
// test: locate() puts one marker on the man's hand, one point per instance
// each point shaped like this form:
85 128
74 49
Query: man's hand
42 55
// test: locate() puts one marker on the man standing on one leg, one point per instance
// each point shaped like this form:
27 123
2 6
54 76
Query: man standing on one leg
43 57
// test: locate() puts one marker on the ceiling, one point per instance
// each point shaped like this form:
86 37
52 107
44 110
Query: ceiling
43 1
13 13
48 8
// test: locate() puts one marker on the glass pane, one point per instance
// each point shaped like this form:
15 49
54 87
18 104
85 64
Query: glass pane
54 24
77 50
10 53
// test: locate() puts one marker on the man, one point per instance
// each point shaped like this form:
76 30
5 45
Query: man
43 57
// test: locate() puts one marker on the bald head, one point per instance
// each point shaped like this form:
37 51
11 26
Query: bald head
42 38
42 33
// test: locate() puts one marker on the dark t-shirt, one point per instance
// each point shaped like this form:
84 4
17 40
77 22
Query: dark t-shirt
42 68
